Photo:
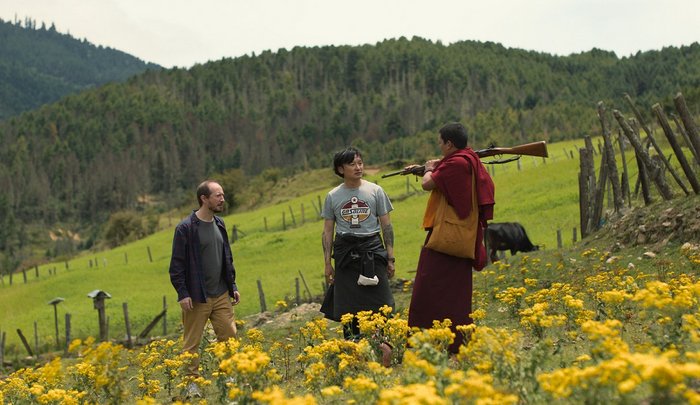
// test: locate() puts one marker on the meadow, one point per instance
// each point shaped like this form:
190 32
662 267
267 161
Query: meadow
542 195
592 322
587 325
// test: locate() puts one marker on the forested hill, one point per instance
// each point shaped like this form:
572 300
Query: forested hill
163 131
39 65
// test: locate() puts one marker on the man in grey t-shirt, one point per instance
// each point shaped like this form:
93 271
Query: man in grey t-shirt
355 213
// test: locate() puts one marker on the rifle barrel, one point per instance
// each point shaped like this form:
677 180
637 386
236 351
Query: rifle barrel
538 148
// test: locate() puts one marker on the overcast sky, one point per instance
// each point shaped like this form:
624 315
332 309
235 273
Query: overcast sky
185 32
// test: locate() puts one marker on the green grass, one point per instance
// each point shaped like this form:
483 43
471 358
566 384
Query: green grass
543 197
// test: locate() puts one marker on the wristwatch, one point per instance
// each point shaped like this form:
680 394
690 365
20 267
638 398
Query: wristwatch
391 259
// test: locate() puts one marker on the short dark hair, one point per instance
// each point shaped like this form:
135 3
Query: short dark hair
344 157
204 190
455 133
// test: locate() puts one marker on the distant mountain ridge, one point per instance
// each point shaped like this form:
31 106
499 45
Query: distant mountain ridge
41 65
76 161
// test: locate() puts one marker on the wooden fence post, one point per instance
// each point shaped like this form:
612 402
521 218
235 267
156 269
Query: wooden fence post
234 233
587 187
559 242
129 343
67 333
265 222
126 258
318 210
618 203
2 350
584 180
643 180
686 138
36 271
165 316
650 138
298 290
24 342
144 333
24 275
291 214
261 294
663 121
575 235
306 286
625 181
690 127
36 338
284 222
150 258
653 170
598 199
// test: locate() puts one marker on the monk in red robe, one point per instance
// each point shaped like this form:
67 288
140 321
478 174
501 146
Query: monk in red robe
443 284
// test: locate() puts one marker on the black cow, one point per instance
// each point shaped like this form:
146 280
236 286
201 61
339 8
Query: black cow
507 236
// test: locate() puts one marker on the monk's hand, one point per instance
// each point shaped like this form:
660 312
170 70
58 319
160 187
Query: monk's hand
430 164
414 169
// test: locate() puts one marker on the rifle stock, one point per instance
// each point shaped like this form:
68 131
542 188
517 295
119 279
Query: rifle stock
529 149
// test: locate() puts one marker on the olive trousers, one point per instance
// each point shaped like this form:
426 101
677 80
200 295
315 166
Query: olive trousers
219 311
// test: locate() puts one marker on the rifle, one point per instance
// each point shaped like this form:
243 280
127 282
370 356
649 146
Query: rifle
529 149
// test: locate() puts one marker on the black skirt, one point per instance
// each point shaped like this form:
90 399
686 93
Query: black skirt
353 256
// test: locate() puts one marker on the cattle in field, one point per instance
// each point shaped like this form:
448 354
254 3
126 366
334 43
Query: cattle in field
507 236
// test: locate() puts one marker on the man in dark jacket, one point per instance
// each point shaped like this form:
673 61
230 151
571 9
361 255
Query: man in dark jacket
202 272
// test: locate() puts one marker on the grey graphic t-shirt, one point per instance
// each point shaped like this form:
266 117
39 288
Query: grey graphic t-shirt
357 210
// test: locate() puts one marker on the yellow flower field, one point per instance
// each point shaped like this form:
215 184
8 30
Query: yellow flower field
612 334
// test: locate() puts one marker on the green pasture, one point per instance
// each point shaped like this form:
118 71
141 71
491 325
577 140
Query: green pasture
542 195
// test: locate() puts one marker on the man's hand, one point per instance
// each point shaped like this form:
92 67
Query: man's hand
236 298
186 304
330 274
390 269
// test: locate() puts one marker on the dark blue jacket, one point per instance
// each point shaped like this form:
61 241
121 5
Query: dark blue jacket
186 272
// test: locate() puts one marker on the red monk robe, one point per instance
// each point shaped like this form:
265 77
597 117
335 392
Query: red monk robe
443 284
